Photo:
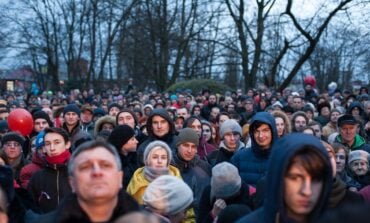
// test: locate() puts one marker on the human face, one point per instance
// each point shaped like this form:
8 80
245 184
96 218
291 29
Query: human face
334 117
125 118
96 178
214 112
179 122
206 132
348 133
187 151
297 103
183 112
71 118
86 116
340 160
55 144
160 126
355 111
231 140
158 158
107 126
301 192
40 124
280 126
317 130
325 111
197 126
196 111
263 136
299 123
12 150
113 111
359 167
212 99
223 118
130 145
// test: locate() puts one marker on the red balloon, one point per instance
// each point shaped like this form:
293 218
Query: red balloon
20 120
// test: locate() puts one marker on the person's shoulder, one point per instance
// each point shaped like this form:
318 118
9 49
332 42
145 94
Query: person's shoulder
255 216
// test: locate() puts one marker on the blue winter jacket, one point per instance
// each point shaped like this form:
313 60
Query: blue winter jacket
252 162
284 150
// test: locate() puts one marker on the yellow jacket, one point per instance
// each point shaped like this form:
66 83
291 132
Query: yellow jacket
139 183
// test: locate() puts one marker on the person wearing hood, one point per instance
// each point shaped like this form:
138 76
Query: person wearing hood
300 178
159 126
230 133
106 122
357 110
252 162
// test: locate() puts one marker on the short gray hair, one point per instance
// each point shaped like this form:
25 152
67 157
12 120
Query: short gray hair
91 145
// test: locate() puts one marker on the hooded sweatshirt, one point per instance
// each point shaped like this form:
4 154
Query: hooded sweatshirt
169 138
252 162
273 209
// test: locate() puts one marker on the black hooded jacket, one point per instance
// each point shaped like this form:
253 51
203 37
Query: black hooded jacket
169 138
273 209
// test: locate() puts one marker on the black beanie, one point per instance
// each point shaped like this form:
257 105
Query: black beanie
120 136
42 115
12 136
6 182
71 108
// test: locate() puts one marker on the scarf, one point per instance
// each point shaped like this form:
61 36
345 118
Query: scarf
59 159
151 173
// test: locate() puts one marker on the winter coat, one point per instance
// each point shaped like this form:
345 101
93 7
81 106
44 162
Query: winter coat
129 166
359 143
341 197
206 203
27 171
49 186
196 174
71 211
222 154
283 151
139 183
252 162
77 136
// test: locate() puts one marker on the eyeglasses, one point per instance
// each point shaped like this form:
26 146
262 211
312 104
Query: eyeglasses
12 144
341 157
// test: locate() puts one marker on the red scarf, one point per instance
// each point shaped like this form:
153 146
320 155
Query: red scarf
59 159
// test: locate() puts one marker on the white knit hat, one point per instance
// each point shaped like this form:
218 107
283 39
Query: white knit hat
168 195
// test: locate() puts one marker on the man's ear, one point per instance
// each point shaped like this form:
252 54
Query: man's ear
68 145
120 176
72 183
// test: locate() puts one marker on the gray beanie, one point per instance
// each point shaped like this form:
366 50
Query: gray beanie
168 195
187 135
358 155
151 147
225 181
230 125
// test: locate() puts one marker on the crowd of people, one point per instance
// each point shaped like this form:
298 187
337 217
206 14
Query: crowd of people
130 156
